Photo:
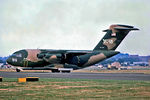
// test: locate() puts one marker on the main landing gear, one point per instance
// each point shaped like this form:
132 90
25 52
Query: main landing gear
62 71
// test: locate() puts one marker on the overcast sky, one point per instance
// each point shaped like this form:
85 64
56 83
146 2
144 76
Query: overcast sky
71 24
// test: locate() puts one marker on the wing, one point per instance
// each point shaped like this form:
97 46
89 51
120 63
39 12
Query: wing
81 58
60 56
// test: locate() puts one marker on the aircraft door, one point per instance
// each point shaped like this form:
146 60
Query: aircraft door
25 63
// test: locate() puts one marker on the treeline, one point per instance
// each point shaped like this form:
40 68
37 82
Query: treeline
126 58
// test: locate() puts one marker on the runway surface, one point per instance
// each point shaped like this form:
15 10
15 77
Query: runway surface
78 75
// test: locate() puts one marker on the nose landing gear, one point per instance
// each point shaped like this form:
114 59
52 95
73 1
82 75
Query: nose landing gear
18 70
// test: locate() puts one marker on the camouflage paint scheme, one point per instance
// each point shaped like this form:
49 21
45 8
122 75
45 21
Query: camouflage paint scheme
114 36
75 59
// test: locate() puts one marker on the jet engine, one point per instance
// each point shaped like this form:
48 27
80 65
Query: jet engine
51 58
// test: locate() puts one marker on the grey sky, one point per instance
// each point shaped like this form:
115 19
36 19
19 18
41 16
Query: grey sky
71 24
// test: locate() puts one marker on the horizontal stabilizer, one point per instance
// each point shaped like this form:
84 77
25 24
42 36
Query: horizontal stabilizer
121 27
129 26
125 28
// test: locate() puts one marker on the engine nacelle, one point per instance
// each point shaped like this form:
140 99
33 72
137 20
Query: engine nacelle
53 58
40 56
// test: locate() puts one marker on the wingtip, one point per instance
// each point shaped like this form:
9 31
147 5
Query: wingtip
136 29
105 30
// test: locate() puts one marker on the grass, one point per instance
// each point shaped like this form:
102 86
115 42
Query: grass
115 71
82 89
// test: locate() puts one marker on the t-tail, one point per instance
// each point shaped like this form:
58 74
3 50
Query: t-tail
114 36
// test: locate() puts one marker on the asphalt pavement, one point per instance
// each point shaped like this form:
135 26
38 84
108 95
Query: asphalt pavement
79 75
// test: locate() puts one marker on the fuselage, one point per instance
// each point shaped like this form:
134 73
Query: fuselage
43 57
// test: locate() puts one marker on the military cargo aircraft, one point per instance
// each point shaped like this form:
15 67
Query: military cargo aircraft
67 60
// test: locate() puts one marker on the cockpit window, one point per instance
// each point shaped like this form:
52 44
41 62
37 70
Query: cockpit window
19 55
14 59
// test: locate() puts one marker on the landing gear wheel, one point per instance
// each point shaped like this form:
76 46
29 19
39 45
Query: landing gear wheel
18 70
66 71
55 71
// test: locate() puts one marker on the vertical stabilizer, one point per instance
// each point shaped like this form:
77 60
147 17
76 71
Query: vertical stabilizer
113 37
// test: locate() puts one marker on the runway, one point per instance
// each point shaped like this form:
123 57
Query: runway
79 75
